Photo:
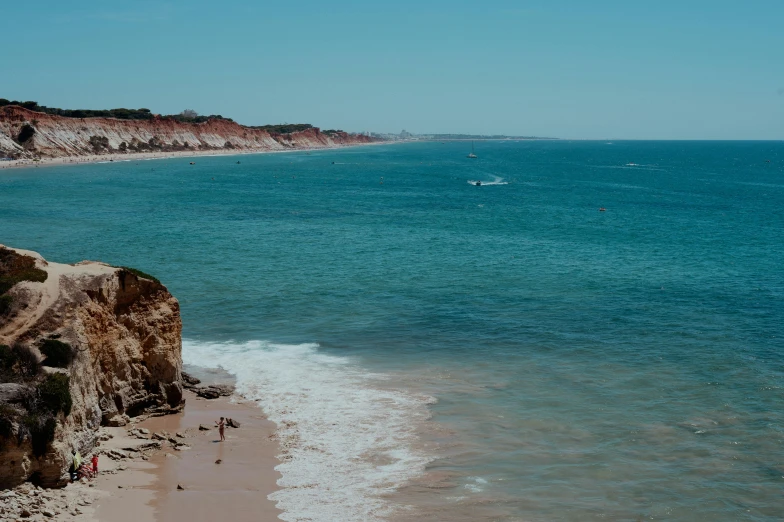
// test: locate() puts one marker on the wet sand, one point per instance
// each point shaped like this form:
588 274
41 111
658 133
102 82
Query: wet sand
235 489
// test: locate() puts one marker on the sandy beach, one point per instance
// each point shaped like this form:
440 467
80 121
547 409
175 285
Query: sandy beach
142 156
140 489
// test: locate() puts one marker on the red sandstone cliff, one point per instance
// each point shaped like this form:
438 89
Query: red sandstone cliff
28 134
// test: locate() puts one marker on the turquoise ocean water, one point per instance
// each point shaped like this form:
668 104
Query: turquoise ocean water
433 350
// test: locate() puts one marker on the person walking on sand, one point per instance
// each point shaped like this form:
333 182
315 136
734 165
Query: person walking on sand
221 428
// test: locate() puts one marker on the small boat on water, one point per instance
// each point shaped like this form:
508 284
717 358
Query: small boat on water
472 155
478 184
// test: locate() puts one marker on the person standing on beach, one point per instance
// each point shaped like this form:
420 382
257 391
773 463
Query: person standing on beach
77 462
221 428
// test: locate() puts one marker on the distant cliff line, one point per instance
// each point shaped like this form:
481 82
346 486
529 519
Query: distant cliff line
27 135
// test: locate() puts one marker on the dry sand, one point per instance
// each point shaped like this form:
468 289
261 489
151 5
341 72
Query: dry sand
138 156
235 489
133 156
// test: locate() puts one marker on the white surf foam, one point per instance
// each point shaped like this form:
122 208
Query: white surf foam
497 180
345 439
477 484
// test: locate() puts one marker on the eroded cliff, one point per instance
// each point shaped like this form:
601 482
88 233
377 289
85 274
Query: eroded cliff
119 336
28 134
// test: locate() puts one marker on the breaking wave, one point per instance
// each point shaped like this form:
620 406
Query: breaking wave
346 439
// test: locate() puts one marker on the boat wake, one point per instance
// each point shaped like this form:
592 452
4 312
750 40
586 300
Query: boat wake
497 180
630 166
639 165
346 440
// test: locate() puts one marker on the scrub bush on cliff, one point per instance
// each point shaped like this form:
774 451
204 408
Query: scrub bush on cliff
41 431
5 304
99 143
7 362
7 417
50 398
19 363
54 394
15 268
58 354
139 273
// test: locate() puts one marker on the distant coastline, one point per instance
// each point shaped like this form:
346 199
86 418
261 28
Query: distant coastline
463 137
409 136
29 138
146 156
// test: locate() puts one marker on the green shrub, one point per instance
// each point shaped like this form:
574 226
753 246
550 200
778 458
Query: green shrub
15 268
57 353
7 417
7 363
5 304
285 128
27 364
99 143
7 358
139 273
54 394
18 363
41 429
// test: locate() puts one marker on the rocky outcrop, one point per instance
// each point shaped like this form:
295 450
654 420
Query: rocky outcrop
210 391
28 134
29 502
125 331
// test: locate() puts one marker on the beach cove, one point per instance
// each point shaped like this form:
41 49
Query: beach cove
434 350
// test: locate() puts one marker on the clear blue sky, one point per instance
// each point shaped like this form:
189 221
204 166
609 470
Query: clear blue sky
565 68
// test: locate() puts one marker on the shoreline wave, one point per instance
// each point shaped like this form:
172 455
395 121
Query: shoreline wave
346 441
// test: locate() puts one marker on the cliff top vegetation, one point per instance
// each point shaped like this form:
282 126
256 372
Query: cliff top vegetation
186 116
15 268
284 128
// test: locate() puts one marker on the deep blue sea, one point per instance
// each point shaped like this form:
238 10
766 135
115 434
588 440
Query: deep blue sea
434 350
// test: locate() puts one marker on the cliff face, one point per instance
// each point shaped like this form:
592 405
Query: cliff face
125 334
28 134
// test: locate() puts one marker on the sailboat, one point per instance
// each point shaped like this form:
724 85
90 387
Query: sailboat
472 155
